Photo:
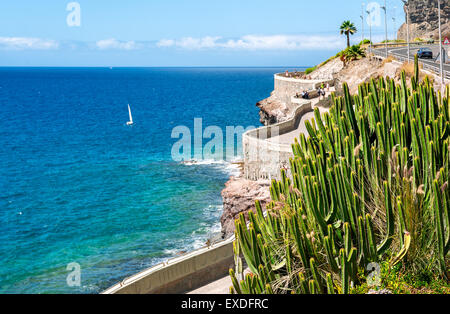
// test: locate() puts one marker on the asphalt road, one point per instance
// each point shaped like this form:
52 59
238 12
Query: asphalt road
403 51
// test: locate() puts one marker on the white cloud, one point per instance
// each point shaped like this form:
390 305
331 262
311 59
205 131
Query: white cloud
198 43
258 42
22 43
165 43
116 44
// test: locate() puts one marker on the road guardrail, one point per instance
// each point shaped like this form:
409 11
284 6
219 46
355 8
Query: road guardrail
401 58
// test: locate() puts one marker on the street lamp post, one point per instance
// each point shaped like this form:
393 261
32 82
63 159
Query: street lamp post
395 24
440 47
370 29
407 26
362 21
385 27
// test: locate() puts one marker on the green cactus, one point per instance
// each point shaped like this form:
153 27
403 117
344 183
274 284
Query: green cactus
330 285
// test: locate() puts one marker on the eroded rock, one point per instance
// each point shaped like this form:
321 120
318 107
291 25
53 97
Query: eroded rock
239 196
423 16
272 111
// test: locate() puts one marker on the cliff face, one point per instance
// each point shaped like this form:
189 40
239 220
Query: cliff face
423 17
272 111
239 196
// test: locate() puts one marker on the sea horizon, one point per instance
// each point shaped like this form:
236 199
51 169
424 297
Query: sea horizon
159 67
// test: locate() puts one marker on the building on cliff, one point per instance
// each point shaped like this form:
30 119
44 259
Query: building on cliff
423 20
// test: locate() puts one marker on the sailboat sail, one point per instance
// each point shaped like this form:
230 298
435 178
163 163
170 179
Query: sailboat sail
129 111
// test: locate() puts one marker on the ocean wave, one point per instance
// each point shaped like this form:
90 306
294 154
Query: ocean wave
229 167
199 237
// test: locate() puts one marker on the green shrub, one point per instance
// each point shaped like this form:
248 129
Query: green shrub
353 53
394 41
309 70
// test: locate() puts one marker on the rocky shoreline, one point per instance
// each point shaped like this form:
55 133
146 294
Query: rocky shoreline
239 196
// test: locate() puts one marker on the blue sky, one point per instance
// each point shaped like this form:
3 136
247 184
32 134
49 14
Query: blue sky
180 32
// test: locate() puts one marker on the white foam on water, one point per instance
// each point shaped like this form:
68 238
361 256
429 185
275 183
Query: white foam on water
205 232
216 228
198 238
229 167
197 244
171 252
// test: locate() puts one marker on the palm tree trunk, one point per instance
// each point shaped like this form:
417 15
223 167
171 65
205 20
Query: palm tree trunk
348 40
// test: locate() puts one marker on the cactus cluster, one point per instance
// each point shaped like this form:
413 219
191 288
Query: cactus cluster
370 182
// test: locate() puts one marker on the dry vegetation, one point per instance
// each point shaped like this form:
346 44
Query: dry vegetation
389 59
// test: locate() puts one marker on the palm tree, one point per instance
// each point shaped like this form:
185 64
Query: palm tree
348 28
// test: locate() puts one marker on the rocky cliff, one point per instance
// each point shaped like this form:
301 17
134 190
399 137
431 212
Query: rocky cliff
239 196
272 111
423 15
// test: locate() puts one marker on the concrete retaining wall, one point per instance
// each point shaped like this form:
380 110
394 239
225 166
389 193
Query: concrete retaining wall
263 159
181 274
286 87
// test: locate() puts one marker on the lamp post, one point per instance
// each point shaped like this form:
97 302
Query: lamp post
370 28
407 26
385 27
440 47
362 21
394 21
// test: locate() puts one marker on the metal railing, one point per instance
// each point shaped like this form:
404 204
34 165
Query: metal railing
403 44
401 58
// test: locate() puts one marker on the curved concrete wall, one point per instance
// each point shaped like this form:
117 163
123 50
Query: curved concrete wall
264 158
181 274
286 87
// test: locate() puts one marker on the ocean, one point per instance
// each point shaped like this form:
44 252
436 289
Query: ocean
79 186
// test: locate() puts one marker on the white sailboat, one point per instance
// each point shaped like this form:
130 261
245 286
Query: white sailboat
131 117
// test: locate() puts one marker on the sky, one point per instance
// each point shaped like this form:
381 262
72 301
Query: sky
183 32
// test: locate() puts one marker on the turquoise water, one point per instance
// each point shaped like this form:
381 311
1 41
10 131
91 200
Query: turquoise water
78 185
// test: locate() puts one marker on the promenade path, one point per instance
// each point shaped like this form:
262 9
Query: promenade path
221 286
288 138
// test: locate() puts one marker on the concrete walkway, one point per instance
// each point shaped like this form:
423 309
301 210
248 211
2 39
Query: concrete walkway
221 286
288 138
